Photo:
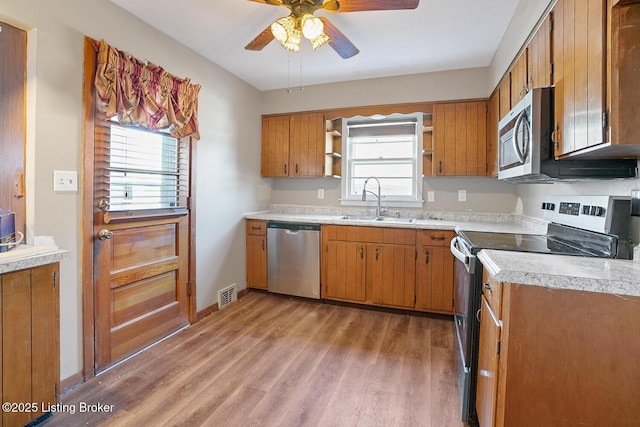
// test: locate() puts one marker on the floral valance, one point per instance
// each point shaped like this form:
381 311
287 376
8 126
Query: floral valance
144 94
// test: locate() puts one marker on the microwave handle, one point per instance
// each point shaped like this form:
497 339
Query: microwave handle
516 146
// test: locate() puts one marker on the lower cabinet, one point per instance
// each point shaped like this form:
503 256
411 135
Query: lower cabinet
387 267
30 350
256 254
557 357
434 272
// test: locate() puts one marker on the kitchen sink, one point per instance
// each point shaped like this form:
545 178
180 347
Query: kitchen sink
395 219
378 219
358 217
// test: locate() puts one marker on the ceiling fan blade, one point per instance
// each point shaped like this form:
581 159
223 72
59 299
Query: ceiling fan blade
364 5
263 39
338 41
271 2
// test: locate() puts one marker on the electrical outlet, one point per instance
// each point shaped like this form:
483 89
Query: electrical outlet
462 195
431 196
320 193
66 181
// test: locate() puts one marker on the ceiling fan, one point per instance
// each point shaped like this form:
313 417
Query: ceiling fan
319 31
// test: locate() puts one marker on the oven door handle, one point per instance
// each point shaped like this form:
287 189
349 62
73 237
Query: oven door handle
458 253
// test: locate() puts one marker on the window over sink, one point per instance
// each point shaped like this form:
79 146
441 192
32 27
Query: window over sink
388 148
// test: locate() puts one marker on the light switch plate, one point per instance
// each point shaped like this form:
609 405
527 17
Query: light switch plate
462 195
65 181
431 196
320 193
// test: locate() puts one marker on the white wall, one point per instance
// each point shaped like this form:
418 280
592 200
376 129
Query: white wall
228 155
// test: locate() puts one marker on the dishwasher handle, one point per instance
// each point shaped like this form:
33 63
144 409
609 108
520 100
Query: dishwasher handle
293 227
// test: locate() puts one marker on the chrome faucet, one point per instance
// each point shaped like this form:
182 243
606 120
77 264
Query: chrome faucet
365 191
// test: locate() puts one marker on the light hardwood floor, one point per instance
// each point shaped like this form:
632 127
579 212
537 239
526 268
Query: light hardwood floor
270 360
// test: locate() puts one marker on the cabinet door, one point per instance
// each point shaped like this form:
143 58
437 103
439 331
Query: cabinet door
539 56
434 279
488 357
460 134
391 275
344 268
493 117
306 144
257 261
578 58
504 89
275 146
519 78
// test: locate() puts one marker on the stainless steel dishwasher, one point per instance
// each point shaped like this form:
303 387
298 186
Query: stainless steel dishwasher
293 253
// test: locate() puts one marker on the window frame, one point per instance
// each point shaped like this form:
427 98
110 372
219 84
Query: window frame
349 199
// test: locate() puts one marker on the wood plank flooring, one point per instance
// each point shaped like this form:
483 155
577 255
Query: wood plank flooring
270 360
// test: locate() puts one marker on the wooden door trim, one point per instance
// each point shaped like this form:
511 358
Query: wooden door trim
87 258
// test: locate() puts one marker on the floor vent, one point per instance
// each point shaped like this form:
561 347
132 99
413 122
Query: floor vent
227 296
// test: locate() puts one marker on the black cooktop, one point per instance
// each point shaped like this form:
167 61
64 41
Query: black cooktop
478 240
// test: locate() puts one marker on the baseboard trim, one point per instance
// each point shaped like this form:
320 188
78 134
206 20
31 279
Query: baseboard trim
71 382
214 307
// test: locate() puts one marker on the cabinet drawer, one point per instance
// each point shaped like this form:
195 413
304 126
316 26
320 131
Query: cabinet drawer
256 228
492 291
435 237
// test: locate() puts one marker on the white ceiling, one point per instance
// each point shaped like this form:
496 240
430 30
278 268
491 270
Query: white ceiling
438 35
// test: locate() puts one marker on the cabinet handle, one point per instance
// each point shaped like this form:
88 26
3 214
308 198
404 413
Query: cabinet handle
426 256
361 252
440 166
296 169
478 314
263 244
256 227
488 287
285 169
437 237
377 252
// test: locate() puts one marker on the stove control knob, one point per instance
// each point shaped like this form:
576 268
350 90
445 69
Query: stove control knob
548 206
586 210
597 211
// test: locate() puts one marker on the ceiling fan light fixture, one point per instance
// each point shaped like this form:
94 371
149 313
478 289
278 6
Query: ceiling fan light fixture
319 41
282 28
293 40
311 26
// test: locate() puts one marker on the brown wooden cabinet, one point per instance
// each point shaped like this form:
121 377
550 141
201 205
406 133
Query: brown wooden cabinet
293 145
493 117
434 272
539 56
256 254
579 30
370 265
460 139
30 350
519 78
565 357
333 148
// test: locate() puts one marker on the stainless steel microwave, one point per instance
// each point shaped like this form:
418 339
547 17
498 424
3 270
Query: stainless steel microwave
524 135
525 149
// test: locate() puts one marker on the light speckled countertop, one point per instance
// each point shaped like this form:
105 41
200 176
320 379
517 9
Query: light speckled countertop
610 276
498 223
27 256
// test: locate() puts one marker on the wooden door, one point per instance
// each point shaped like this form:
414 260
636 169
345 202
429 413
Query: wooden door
257 254
504 100
344 270
493 117
434 279
488 357
391 275
579 74
275 146
13 51
306 144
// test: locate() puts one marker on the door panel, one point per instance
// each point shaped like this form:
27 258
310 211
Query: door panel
345 280
391 275
141 276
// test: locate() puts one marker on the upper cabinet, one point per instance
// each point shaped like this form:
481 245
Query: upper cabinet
293 145
460 139
596 70
519 79
539 57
